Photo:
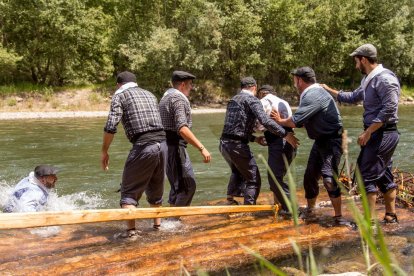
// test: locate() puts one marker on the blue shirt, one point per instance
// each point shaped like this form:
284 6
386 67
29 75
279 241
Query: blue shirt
318 112
29 195
380 98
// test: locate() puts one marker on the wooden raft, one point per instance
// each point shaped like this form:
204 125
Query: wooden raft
39 219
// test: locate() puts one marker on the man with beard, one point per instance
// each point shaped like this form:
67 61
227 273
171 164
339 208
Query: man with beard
318 113
379 91
32 192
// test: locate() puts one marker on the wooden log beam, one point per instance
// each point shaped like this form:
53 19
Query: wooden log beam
39 219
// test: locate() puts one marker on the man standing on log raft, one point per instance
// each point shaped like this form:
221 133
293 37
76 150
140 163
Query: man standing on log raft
176 117
318 113
379 92
138 111
242 112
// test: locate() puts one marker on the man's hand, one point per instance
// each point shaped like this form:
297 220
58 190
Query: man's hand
275 116
261 140
206 155
105 161
364 137
291 139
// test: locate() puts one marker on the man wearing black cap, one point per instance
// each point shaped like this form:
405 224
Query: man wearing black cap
137 109
379 91
175 112
318 113
278 148
31 193
242 112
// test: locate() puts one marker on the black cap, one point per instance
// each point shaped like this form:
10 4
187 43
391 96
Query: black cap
247 82
366 50
304 72
182 76
267 88
125 77
44 170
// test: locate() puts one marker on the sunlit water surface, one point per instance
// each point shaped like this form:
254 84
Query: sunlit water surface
73 145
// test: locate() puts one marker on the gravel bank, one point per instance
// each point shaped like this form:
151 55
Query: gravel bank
81 114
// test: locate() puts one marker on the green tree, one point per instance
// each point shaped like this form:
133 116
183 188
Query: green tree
60 41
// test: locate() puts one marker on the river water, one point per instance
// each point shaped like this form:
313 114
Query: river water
73 145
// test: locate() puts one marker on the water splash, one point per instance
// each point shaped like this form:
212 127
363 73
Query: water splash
77 201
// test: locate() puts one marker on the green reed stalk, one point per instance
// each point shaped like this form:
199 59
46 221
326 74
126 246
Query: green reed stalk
292 201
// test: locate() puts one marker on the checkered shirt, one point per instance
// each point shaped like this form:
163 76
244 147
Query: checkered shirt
175 112
242 112
138 111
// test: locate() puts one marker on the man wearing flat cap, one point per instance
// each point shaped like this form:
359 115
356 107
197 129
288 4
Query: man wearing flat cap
175 112
278 149
318 113
32 192
242 112
137 110
379 91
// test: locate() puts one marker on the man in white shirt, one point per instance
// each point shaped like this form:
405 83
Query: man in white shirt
278 148
31 193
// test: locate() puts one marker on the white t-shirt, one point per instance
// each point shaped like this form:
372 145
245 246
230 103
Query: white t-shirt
271 102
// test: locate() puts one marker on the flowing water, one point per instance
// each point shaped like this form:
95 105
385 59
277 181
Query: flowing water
73 145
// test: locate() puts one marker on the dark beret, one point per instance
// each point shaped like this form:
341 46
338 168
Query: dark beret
247 82
267 88
125 77
182 76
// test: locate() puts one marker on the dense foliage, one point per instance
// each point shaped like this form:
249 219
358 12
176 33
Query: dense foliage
58 42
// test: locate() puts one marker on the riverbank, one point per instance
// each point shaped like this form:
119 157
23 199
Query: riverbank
83 104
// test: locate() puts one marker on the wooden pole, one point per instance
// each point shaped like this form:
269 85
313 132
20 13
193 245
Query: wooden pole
39 219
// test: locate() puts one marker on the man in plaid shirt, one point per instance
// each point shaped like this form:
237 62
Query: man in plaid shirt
176 117
242 112
137 109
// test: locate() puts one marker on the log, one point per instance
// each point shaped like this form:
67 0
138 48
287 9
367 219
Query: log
39 219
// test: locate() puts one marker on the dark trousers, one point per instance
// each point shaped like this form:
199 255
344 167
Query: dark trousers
323 161
244 170
278 151
375 161
180 174
144 171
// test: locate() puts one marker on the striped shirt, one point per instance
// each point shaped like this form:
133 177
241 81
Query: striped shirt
138 111
242 112
175 111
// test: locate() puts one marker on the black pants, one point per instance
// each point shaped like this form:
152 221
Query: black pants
244 170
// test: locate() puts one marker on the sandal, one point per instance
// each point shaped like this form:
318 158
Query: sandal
390 218
156 226
128 235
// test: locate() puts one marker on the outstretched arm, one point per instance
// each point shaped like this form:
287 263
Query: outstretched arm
107 140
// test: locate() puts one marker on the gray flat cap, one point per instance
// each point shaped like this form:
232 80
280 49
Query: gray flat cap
366 50
182 76
44 170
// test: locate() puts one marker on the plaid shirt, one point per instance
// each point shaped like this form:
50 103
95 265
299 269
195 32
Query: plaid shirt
175 111
242 112
137 109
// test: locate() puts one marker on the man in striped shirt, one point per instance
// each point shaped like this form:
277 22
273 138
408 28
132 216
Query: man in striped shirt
242 112
175 113
137 109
